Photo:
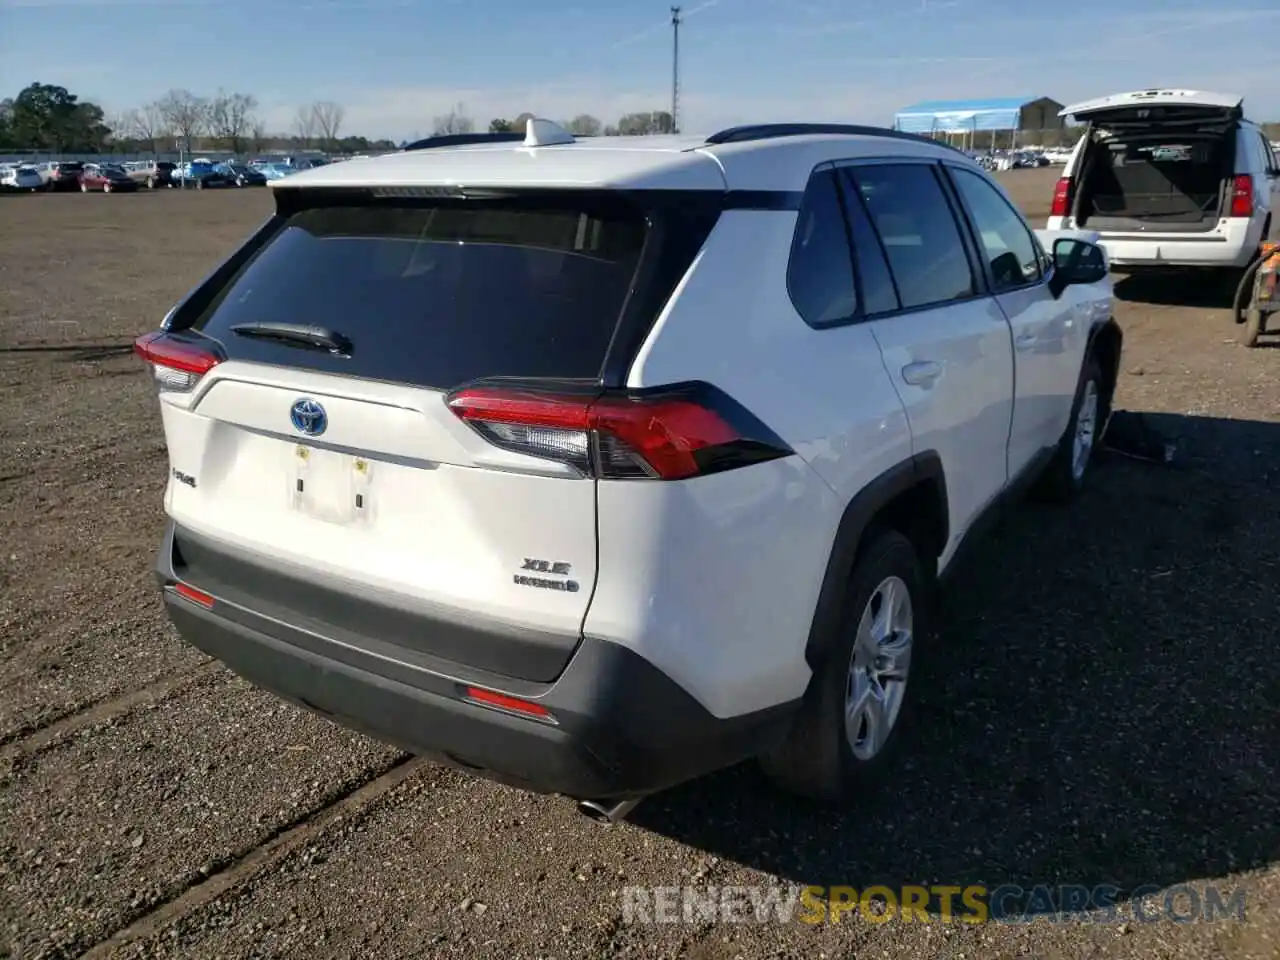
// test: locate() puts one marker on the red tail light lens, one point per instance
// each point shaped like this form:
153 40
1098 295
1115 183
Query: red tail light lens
1061 205
500 701
1242 197
178 363
670 434
195 596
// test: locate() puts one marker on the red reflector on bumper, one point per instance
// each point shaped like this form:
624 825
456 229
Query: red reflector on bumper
501 701
194 595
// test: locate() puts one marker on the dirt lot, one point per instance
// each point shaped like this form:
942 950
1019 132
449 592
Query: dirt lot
1109 712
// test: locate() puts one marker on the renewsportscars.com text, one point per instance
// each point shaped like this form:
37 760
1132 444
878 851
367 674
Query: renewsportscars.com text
973 904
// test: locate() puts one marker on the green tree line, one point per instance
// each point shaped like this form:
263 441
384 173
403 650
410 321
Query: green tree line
48 118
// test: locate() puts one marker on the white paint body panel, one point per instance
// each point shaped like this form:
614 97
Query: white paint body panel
445 519
965 414
722 575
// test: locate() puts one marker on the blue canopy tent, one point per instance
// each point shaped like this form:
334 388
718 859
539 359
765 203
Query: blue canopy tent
966 117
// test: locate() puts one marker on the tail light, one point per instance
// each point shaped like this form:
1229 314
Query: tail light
1242 197
500 701
668 434
178 362
1061 205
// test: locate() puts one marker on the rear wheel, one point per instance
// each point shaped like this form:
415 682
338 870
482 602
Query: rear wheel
106 187
861 698
84 187
151 183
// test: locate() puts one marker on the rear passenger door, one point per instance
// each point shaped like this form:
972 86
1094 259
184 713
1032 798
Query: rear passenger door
944 340
1049 334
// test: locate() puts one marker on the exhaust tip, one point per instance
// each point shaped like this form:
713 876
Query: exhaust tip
605 812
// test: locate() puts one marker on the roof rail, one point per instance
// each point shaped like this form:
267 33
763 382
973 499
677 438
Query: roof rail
769 131
460 139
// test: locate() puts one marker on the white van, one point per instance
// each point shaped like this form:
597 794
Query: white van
1174 178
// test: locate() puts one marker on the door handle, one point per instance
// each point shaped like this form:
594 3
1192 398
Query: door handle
1026 341
922 373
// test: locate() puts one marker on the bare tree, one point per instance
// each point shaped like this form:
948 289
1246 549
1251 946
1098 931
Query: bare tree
148 124
121 127
230 115
455 121
186 115
328 116
258 135
584 125
304 124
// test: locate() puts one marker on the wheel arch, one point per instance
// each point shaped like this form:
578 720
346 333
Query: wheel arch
1106 343
910 497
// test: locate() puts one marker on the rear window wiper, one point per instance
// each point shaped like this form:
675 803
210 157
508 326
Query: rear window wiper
296 334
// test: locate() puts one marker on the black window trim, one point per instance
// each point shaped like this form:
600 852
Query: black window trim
982 287
975 235
849 194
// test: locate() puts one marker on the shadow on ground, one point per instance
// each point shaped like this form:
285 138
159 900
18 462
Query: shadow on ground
1202 289
1106 704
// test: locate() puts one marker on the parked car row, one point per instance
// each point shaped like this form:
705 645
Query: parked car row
1012 159
108 177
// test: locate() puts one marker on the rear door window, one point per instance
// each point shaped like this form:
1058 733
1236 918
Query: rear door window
439 295
875 282
919 232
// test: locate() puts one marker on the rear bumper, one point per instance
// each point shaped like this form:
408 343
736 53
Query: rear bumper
621 727
1231 246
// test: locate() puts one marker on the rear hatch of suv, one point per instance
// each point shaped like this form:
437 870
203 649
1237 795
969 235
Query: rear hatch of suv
1158 161
320 407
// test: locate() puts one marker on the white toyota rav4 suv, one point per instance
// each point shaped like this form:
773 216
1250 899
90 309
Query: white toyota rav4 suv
595 466
1170 178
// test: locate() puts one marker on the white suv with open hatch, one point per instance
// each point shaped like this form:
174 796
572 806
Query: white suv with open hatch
1170 178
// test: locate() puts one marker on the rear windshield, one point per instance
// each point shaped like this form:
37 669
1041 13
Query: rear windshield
439 295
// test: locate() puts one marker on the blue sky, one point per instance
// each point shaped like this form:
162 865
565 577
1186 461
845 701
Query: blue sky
396 64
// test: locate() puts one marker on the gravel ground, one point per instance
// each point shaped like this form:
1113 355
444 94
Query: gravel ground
1104 705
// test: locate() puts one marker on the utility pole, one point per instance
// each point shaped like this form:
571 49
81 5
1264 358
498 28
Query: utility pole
675 69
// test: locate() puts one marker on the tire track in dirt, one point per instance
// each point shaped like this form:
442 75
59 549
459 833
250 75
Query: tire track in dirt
250 863
27 742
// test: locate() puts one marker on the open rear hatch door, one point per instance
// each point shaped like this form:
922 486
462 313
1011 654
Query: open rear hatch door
1184 111
1158 162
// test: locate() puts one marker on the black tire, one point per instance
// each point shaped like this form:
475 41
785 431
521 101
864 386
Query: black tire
1253 327
151 183
1061 481
817 759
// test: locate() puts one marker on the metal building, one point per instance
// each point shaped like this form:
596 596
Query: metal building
1022 118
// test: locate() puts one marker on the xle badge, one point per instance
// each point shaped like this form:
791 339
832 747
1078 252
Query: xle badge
554 567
